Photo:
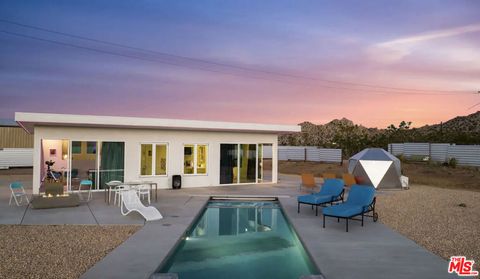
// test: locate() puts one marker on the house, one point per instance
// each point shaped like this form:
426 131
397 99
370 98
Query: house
106 148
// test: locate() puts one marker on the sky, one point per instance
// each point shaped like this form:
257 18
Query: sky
374 62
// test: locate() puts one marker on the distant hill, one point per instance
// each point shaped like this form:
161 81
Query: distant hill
352 137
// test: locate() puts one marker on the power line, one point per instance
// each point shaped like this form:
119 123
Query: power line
128 56
232 66
474 106
361 90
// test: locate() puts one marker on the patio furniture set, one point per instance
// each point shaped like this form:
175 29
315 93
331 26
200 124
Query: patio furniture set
128 194
361 200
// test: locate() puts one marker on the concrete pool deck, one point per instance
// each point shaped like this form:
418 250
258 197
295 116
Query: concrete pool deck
372 251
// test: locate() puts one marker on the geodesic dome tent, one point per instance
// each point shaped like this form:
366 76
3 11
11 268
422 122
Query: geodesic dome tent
377 167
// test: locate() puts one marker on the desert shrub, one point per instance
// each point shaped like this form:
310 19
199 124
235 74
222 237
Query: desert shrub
452 163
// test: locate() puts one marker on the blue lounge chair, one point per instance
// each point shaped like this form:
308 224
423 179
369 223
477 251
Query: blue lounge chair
361 200
331 191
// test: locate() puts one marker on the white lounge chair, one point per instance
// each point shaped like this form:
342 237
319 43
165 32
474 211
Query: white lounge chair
131 202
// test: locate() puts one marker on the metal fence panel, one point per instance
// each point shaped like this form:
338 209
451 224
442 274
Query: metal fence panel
309 153
328 155
466 155
416 148
439 152
395 148
16 157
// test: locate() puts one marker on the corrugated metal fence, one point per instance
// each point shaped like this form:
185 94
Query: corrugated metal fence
16 157
309 153
466 155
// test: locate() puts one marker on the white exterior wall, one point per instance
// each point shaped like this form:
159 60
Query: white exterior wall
175 140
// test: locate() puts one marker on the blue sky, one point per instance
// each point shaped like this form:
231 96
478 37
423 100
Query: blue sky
419 45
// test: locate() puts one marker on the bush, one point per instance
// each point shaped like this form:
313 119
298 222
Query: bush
452 163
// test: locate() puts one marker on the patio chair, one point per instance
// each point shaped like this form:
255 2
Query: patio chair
349 179
361 200
131 202
118 191
87 183
143 190
331 191
111 184
308 181
17 193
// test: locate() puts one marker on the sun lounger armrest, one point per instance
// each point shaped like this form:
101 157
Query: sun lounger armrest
371 206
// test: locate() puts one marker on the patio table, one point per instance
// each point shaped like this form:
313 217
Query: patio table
108 188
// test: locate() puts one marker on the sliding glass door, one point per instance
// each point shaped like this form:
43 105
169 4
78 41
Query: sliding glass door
111 157
238 163
248 163
84 163
228 163
99 162
264 172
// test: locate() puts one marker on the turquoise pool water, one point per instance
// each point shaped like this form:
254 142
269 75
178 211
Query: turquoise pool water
239 239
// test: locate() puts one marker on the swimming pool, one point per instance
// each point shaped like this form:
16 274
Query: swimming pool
240 239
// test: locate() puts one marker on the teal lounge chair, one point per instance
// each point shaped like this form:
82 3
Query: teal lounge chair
331 191
361 200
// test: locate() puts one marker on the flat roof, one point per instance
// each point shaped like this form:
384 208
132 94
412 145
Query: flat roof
8 123
29 120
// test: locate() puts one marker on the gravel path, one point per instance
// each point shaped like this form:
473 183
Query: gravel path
434 218
49 251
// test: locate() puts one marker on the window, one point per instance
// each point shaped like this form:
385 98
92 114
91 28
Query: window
91 147
76 147
161 159
195 158
201 159
148 165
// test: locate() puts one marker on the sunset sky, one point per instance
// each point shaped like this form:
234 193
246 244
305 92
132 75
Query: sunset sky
247 61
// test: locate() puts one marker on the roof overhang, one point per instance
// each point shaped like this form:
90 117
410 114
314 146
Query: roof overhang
28 121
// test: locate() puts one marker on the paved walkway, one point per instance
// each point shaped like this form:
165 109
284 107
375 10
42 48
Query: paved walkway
372 251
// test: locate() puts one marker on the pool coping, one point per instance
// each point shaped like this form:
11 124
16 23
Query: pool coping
245 198
372 251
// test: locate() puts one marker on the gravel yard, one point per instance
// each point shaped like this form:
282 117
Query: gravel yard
445 221
64 251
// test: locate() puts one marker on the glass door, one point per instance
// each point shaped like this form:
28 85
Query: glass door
264 173
111 162
238 163
228 163
248 163
84 163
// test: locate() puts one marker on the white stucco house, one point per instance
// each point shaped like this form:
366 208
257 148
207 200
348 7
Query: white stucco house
105 148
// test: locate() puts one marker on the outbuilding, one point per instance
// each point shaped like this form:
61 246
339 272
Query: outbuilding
106 148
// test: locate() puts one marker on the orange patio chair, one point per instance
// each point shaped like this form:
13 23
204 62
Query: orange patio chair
349 179
308 181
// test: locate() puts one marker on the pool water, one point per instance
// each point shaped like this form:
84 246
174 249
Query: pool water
240 239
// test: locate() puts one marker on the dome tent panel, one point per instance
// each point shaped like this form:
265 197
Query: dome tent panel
391 180
375 170
351 165
377 167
